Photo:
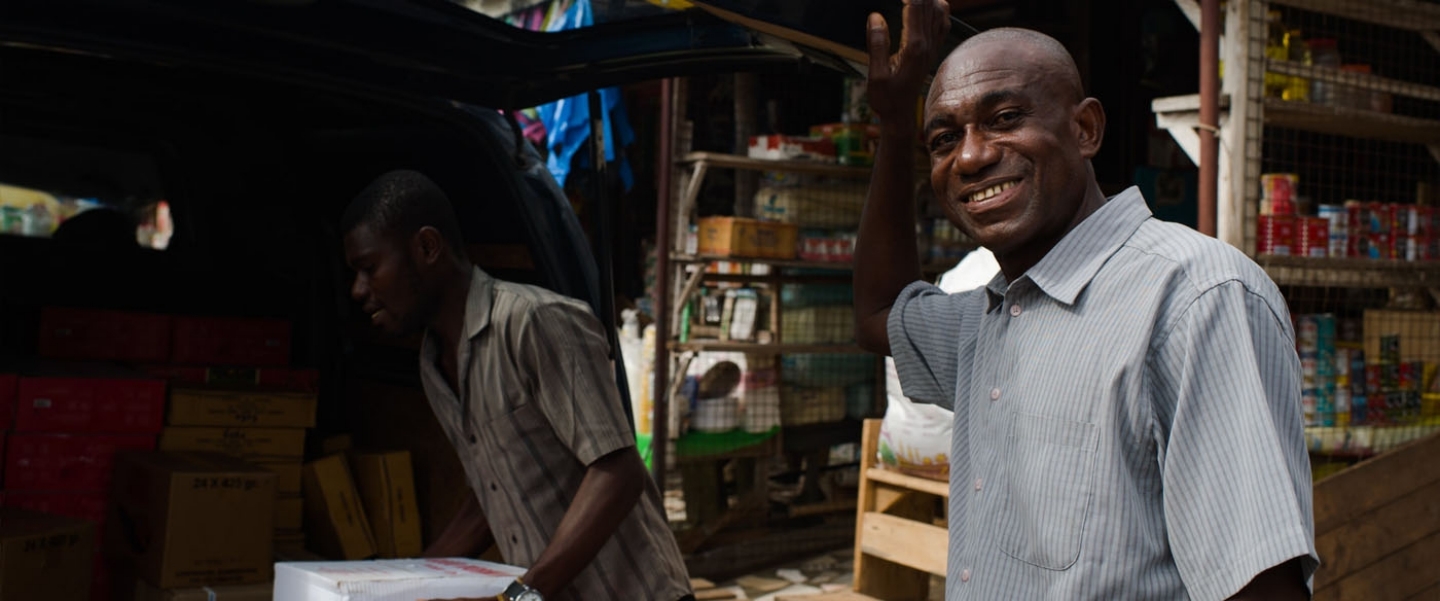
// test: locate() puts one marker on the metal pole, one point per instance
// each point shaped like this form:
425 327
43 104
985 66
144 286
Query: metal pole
1209 113
605 246
659 388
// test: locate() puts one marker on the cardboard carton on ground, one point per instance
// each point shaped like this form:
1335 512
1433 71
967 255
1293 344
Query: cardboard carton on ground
66 462
88 397
289 512
335 520
192 519
243 592
392 580
44 556
387 487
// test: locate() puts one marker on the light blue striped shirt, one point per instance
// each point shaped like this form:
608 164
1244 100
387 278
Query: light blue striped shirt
1127 417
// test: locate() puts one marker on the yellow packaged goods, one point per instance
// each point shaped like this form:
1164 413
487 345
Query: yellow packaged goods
829 206
740 237
44 556
387 487
289 512
192 519
261 444
287 476
245 592
334 516
191 406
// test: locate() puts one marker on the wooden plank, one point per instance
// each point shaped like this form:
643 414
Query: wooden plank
856 58
840 596
715 594
925 485
887 497
1375 482
734 161
1347 273
1410 15
1351 122
1363 81
1398 576
700 583
1372 537
906 542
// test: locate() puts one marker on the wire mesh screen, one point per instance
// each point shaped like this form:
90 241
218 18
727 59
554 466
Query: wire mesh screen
1346 220
769 388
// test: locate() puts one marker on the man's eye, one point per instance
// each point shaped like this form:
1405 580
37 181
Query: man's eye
1007 117
942 140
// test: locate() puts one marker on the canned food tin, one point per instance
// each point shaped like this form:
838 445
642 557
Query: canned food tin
1425 221
1342 362
1342 407
1402 218
1309 405
1275 235
1389 348
1324 408
1372 379
1357 410
1376 218
1325 333
1281 189
1314 237
1405 377
1380 247
1401 248
1309 371
1389 376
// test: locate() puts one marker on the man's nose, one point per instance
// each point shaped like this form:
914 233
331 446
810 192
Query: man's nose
359 289
974 154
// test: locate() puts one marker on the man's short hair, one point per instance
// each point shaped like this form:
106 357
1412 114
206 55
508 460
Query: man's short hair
401 202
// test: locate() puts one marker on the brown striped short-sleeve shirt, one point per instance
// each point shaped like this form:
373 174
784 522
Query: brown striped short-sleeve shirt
543 405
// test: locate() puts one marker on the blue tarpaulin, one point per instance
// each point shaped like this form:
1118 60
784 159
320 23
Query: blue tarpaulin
567 121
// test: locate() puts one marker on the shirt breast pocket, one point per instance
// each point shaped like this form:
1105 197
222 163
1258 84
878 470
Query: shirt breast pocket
1050 464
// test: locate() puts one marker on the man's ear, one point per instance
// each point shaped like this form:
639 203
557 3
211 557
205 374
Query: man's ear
428 245
1089 126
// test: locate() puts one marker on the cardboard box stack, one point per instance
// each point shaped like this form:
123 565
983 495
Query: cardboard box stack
185 520
103 388
69 414
232 392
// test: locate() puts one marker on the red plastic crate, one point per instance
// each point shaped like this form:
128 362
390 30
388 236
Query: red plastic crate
66 462
8 384
90 404
230 341
86 334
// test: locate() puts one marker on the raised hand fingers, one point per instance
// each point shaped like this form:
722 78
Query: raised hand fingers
877 36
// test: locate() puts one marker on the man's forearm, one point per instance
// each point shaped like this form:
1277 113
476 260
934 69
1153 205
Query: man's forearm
467 535
607 495
885 255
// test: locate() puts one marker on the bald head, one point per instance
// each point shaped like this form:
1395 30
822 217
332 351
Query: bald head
1021 49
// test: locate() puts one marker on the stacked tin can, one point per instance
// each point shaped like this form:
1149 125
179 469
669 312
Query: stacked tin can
1278 230
1315 341
1393 385
1391 231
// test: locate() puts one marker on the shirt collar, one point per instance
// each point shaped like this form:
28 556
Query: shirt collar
1065 271
478 302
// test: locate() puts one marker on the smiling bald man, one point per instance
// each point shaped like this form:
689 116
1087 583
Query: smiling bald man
1126 391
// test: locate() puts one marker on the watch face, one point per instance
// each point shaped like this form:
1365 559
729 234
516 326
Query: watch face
530 596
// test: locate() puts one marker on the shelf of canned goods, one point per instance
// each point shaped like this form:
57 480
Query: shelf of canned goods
1329 177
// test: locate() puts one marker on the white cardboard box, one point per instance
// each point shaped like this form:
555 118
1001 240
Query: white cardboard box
391 579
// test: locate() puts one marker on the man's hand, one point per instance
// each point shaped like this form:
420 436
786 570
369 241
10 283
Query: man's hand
895 80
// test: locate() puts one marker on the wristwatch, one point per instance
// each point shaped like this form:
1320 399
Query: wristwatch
519 591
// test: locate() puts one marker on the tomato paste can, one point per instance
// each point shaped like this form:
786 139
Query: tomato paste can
1314 237
1275 235
1280 189
1376 218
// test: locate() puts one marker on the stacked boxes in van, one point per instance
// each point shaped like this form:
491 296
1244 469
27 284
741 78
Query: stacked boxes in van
232 392
72 413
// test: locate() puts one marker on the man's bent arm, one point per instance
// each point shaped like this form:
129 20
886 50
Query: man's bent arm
1285 582
607 495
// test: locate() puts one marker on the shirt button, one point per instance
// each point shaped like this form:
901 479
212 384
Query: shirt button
514 539
493 486
978 483
1015 310
965 575
994 394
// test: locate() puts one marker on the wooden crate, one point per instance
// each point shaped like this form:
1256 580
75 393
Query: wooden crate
1377 527
900 539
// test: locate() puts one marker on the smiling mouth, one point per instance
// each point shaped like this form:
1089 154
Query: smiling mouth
990 192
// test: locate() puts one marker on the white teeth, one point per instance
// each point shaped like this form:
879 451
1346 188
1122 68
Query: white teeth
991 191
